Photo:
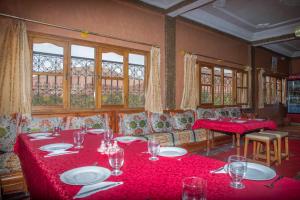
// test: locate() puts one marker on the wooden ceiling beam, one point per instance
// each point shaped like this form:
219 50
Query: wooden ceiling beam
186 6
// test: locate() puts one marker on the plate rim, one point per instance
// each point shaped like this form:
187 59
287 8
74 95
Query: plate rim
96 131
41 148
32 134
64 180
183 149
260 165
134 138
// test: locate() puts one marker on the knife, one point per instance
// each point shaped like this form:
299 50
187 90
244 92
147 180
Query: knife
92 191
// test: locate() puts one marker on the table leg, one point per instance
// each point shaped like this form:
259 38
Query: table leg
233 140
207 141
238 141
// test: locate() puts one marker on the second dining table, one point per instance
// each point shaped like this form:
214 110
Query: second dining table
142 178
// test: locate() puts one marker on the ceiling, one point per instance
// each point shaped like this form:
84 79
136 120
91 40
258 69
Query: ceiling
267 23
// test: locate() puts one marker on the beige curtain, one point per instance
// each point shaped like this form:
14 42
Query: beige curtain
249 92
284 91
261 96
153 101
15 70
190 96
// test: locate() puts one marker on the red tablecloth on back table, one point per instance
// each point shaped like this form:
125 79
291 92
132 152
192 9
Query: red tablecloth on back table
143 179
233 127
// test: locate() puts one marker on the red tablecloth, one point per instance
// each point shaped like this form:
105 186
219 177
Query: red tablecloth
234 127
143 179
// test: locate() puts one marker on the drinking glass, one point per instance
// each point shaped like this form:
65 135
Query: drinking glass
56 131
116 160
153 149
108 136
83 127
237 168
194 188
78 139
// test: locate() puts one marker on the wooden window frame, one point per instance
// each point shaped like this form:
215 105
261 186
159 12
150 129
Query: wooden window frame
277 78
202 65
34 37
242 87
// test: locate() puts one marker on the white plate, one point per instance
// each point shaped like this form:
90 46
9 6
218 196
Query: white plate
239 121
259 120
96 131
39 135
127 139
257 172
172 151
85 175
56 147
212 118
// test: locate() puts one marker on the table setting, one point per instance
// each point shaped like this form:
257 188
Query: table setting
125 172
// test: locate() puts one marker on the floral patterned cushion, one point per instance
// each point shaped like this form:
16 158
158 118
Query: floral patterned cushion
183 121
134 124
8 132
222 112
95 121
205 113
235 112
160 122
200 135
34 124
183 137
9 163
165 139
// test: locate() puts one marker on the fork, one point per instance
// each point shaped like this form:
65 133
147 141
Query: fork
271 185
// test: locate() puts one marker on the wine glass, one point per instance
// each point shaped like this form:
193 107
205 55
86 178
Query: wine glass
78 139
108 136
237 168
83 127
56 131
116 160
153 149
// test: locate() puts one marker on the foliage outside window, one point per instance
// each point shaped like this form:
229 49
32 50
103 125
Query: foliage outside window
71 75
222 86
273 90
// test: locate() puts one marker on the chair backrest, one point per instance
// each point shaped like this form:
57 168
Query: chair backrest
44 124
99 121
134 124
8 131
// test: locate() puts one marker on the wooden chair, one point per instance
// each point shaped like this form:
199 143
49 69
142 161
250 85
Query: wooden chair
259 139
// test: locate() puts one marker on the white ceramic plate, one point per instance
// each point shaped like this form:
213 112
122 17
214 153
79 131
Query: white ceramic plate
39 135
127 139
257 172
96 131
172 151
56 147
85 175
259 120
240 121
212 118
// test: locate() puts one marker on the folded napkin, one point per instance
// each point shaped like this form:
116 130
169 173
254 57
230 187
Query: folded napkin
58 153
220 170
88 190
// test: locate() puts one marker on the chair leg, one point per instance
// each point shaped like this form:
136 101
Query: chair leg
287 148
254 150
276 155
268 153
279 150
246 147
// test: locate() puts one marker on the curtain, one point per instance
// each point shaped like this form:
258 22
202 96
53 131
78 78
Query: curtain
153 101
15 70
248 95
261 96
190 96
283 91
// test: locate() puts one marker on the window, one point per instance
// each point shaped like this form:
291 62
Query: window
222 86
68 74
273 90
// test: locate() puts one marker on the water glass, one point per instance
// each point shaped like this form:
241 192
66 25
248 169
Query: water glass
116 160
108 136
83 127
56 131
194 188
153 149
237 168
78 139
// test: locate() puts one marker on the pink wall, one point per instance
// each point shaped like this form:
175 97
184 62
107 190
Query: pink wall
116 18
295 66
199 40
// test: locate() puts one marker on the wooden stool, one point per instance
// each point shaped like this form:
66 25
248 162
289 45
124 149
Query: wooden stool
258 138
281 137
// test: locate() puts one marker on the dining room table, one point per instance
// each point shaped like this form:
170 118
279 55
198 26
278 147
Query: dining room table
235 127
142 178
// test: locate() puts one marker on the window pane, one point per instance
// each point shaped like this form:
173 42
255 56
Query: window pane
82 77
206 96
218 89
47 74
279 89
206 75
112 92
267 90
112 65
228 97
239 79
47 90
245 80
136 73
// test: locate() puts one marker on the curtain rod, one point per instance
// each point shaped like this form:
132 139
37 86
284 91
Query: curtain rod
217 59
76 30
